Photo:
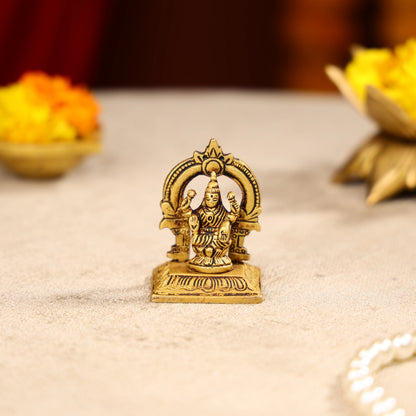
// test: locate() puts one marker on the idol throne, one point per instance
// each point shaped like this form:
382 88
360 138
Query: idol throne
217 273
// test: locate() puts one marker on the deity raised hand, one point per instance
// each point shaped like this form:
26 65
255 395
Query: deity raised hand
185 207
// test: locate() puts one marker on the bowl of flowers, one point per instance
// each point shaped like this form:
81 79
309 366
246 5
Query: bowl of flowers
47 125
381 85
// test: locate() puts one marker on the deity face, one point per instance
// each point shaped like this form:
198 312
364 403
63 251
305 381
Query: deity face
211 199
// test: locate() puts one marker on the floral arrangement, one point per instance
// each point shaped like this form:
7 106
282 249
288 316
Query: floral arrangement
393 72
43 109
381 84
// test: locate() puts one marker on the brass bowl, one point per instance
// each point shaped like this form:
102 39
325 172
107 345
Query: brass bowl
43 161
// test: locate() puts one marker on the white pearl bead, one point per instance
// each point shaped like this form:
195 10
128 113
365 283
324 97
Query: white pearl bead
369 353
360 385
361 362
404 346
376 351
375 348
373 355
386 352
381 407
359 380
369 397
358 373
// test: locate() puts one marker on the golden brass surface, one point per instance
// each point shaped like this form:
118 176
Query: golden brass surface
174 282
387 162
42 161
215 234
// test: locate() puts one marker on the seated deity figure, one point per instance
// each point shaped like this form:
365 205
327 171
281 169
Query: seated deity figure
210 227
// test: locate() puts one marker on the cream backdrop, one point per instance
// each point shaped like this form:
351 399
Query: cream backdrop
79 335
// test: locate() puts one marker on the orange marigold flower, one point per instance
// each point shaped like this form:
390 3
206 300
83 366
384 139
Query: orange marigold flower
75 104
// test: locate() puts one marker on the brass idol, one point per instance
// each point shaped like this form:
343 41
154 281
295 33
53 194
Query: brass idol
217 272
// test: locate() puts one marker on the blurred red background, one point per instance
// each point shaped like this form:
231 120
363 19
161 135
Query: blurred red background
188 43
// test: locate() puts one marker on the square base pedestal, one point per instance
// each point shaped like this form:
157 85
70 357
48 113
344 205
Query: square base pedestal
175 282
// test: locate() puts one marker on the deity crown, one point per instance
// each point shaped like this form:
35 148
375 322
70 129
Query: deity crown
213 186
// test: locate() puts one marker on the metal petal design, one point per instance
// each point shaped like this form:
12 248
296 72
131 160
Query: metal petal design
385 163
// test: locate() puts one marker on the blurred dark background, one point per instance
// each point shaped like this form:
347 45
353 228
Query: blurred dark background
191 43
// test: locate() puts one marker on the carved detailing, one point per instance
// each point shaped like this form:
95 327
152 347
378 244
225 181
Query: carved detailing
245 170
208 284
250 204
237 251
213 159
175 184
173 282
180 250
203 163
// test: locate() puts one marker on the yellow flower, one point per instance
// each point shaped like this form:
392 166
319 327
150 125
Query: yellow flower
392 72
75 104
44 109
22 121
368 68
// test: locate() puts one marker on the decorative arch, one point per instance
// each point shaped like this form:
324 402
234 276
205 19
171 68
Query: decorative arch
203 163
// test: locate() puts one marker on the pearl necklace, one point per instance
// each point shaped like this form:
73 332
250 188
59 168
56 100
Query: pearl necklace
359 379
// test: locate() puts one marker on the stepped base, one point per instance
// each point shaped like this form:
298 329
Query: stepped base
175 282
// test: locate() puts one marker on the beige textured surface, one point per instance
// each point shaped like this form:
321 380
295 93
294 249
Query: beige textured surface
78 333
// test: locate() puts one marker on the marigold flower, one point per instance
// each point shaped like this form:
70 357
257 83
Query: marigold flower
42 109
391 71
381 84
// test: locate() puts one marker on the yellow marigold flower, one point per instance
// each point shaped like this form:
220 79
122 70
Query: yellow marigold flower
26 122
73 103
44 109
368 68
392 72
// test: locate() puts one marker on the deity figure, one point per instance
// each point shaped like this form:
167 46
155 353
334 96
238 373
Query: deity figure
218 272
210 227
